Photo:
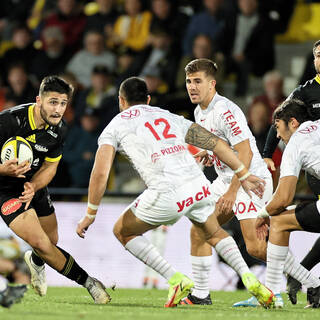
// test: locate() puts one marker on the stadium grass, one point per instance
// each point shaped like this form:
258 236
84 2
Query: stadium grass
74 303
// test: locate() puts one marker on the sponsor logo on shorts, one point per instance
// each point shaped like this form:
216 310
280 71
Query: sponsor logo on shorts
10 206
191 200
242 208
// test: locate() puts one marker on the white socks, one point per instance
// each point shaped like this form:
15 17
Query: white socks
276 256
300 273
201 267
229 251
280 260
145 251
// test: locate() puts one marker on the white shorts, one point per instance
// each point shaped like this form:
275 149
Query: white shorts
193 200
244 207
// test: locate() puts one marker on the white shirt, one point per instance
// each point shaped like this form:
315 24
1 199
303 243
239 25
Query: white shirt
154 141
302 151
227 121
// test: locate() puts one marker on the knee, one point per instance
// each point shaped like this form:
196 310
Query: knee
119 234
196 238
39 243
275 224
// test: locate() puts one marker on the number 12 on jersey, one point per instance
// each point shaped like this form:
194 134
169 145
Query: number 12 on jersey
165 132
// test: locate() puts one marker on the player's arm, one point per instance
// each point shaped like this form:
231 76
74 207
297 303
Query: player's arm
202 138
97 185
269 147
280 200
244 153
39 180
283 195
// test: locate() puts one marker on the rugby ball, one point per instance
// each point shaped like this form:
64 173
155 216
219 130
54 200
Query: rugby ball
17 147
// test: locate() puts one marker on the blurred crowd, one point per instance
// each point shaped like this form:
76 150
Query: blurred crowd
97 44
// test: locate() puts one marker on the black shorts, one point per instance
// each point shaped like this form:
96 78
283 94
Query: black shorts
11 207
308 216
314 184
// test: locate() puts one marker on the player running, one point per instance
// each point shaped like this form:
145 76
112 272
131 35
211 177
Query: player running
24 199
154 141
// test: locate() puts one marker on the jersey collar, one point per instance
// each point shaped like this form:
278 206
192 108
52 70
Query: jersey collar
317 78
31 118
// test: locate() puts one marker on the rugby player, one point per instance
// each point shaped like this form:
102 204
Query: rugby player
309 93
225 119
24 199
302 139
154 140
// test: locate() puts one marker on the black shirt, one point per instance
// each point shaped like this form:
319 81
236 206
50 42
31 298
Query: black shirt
46 143
309 93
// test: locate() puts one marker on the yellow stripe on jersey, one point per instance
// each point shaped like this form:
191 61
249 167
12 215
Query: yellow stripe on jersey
31 118
53 159
317 78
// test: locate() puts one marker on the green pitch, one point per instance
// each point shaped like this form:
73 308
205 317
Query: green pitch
75 303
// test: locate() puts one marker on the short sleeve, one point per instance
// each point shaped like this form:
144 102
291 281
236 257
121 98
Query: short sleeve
291 162
109 135
232 123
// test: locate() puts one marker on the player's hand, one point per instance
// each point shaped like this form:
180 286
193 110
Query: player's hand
83 226
27 194
13 169
226 202
270 164
204 158
262 227
253 184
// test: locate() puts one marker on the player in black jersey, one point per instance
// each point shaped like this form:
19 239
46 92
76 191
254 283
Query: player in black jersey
309 93
24 199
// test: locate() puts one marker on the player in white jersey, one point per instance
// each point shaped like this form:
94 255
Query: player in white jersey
154 140
302 152
226 120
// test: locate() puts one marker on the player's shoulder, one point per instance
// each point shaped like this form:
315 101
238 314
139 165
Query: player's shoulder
303 89
224 105
15 115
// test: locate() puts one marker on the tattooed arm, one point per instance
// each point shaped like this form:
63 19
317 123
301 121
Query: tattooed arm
202 138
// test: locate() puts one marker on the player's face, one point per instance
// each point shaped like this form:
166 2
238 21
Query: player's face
200 87
283 130
317 59
52 107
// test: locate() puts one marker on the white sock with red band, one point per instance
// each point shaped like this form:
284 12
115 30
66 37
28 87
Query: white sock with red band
145 251
229 251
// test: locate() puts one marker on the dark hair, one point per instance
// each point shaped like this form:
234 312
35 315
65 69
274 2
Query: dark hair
134 90
292 108
208 66
55 84
316 44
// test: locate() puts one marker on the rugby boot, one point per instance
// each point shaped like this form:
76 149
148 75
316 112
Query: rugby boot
251 302
12 295
264 296
97 291
38 275
293 286
180 286
190 299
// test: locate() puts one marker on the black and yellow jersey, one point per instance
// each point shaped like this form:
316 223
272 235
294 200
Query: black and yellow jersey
46 143
309 93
